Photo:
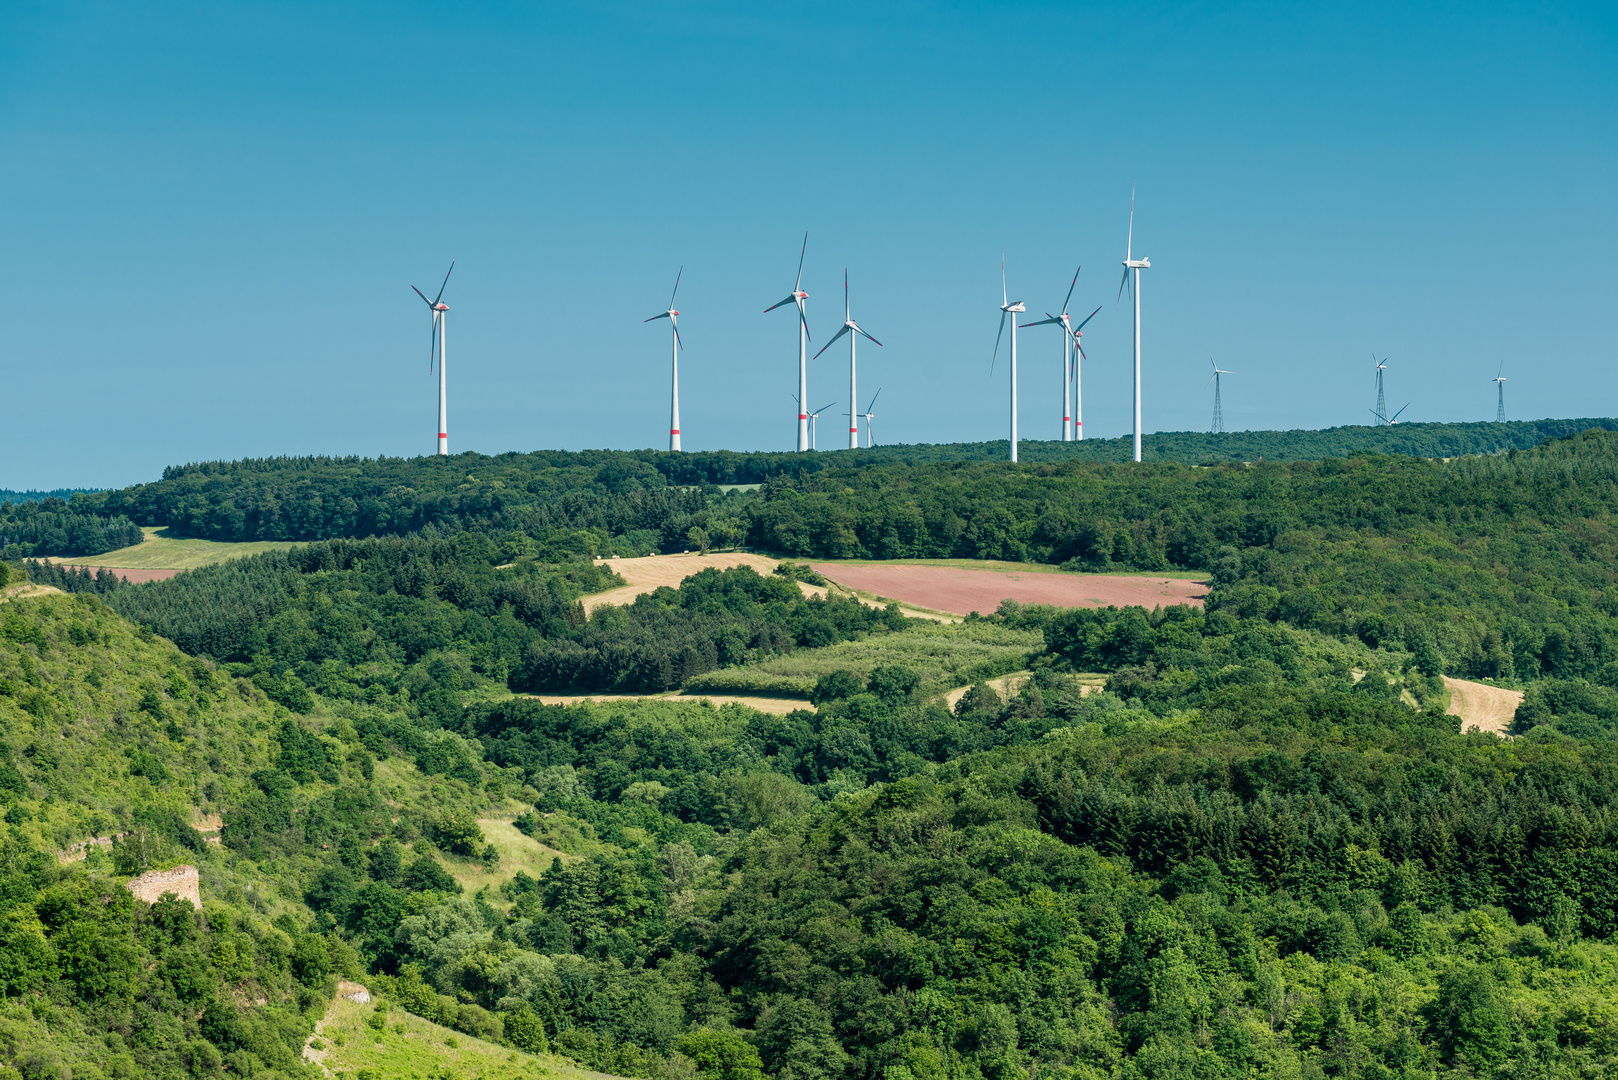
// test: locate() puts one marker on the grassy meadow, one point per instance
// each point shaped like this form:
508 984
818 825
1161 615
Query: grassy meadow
944 655
160 551
407 1047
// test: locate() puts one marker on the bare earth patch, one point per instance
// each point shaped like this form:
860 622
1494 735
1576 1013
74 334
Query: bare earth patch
653 571
945 588
1481 706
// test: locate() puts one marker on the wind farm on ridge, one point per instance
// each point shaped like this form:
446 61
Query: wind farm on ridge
1073 356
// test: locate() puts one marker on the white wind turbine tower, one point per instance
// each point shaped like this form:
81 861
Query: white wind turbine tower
436 341
814 426
1500 385
1070 369
1219 411
1137 265
674 348
798 296
814 418
852 329
869 416
1012 309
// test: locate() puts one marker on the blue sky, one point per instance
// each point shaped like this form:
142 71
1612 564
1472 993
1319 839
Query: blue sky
214 213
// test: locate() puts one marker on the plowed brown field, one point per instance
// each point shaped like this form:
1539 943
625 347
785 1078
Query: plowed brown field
948 588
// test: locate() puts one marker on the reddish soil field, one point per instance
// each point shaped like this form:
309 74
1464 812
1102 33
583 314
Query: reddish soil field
134 575
946 588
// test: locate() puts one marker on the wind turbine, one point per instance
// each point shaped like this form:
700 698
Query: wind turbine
814 425
1500 385
1137 265
854 332
674 349
798 296
1219 412
869 415
1012 309
436 338
1070 338
1381 410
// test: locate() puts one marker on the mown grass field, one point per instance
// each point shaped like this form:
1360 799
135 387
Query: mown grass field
160 551
410 1048
944 655
517 852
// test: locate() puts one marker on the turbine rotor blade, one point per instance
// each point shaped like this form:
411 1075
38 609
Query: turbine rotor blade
1088 317
997 337
677 278
846 316
1070 289
1129 249
867 337
1121 285
874 396
832 342
1004 301
1396 415
772 307
447 273
805 320
1049 318
654 318
799 286
423 296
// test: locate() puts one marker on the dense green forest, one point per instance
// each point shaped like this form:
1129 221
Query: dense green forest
1240 860
1265 849
639 501
8 495
1502 564
354 619
48 527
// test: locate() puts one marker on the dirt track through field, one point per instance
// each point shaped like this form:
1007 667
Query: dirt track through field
947 588
1487 708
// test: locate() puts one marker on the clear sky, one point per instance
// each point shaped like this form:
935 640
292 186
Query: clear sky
213 214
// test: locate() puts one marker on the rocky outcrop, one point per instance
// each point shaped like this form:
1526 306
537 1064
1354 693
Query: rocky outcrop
182 881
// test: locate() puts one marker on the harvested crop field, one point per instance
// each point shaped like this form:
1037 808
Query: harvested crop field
1481 706
652 572
947 588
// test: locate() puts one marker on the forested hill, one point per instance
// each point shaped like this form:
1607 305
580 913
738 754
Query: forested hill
7 495
661 496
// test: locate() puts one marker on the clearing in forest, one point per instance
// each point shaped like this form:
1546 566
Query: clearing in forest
778 706
408 1046
1481 706
162 556
651 572
961 590
517 852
